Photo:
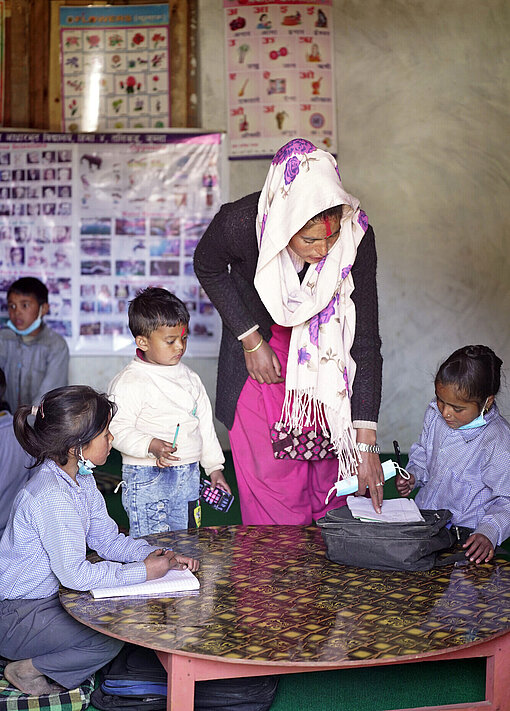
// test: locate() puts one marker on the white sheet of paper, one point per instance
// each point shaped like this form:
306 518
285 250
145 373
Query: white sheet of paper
392 510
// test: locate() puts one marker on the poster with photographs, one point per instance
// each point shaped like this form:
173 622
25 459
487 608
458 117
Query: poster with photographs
115 67
97 217
279 74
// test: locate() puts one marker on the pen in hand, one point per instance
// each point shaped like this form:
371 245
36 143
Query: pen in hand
172 560
171 557
175 435
397 452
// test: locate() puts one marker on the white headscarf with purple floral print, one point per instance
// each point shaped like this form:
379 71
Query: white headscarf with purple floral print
302 182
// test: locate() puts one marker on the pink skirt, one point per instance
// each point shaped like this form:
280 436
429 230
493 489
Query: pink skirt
275 491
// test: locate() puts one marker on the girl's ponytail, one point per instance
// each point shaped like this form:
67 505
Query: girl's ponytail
67 419
25 433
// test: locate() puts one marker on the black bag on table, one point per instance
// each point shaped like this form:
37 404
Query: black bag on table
136 680
389 546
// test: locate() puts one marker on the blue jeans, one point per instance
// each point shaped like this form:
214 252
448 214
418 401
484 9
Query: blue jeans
158 500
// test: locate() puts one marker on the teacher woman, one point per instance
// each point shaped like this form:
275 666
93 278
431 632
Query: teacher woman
292 272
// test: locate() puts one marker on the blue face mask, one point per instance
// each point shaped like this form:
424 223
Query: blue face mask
27 331
85 466
477 422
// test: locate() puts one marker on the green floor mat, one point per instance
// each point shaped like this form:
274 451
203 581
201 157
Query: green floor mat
382 688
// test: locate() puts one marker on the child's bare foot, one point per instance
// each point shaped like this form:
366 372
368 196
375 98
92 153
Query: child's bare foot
25 677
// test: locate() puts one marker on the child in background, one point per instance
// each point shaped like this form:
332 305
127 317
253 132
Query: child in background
163 408
58 514
461 461
35 358
15 463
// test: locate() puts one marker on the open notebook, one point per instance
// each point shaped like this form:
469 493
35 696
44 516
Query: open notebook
174 581
392 510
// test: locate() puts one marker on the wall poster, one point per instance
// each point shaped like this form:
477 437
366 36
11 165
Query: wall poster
279 74
115 67
96 217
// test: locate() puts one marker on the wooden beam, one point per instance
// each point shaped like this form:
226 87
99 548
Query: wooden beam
39 41
20 70
7 67
192 62
178 11
54 81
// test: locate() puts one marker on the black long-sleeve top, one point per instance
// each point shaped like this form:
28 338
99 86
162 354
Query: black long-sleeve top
225 263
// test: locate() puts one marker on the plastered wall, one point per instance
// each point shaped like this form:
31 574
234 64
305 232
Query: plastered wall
423 90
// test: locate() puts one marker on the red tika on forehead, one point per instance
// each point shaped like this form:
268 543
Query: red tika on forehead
184 331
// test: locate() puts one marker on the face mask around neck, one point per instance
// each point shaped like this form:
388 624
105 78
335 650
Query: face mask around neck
27 331
478 421
85 466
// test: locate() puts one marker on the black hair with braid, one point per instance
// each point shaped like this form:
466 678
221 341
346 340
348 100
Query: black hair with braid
474 370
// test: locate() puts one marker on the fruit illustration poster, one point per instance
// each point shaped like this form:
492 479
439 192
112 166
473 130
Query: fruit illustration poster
114 67
99 216
279 75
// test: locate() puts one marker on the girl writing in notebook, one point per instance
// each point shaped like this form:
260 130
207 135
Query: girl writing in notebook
461 461
52 522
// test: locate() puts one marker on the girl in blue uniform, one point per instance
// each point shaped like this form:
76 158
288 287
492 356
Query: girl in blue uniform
54 519
461 461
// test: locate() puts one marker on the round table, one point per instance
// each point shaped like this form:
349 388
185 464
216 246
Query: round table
270 602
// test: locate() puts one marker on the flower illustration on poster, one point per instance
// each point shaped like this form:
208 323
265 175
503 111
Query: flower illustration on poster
109 55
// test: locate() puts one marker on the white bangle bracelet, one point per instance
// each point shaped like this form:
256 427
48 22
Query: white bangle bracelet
372 448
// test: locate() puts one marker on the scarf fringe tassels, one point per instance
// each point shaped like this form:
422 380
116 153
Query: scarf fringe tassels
301 409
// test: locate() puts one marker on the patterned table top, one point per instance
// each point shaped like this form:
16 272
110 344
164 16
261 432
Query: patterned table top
268 594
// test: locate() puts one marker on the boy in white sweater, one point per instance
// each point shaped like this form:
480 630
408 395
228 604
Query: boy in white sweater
164 426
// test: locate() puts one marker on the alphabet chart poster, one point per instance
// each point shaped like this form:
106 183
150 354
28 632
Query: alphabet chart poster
114 67
279 75
97 217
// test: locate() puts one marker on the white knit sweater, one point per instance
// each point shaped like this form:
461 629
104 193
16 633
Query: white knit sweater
152 400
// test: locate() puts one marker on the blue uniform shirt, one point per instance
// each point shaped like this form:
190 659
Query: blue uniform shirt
465 471
14 463
52 521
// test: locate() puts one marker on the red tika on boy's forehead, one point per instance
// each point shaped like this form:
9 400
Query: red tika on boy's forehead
184 331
